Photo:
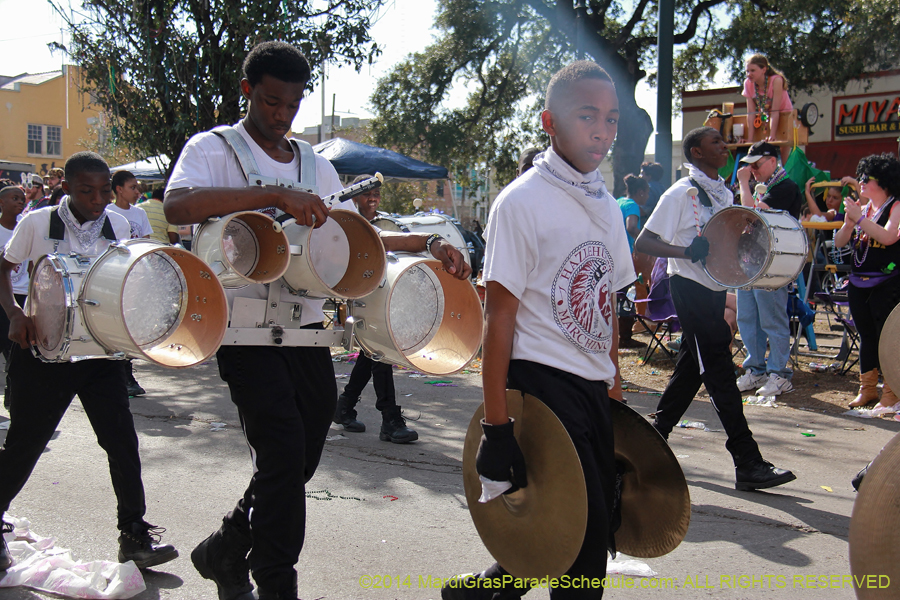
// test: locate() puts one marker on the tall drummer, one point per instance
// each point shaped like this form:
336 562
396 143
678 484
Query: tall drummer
286 397
673 232
762 314
41 392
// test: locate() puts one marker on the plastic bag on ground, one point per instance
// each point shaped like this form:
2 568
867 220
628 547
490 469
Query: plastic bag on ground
40 565
624 565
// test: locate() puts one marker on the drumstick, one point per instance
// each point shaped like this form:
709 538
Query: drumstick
354 190
692 192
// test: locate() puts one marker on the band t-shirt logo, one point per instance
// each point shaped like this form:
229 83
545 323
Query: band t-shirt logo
583 298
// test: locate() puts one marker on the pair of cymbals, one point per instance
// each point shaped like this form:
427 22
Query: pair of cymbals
889 350
538 530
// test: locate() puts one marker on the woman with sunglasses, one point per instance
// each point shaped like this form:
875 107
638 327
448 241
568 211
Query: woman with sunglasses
872 228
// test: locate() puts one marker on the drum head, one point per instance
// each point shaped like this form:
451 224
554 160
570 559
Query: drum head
739 243
47 306
153 299
416 308
240 246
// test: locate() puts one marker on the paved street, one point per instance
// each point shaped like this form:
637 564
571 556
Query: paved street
378 510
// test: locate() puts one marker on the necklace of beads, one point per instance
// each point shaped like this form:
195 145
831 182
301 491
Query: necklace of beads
762 104
862 239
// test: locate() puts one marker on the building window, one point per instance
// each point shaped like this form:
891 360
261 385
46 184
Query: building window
440 189
37 134
35 139
54 140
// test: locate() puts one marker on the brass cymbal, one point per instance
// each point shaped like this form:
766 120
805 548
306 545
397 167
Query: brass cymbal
656 504
536 531
875 527
889 350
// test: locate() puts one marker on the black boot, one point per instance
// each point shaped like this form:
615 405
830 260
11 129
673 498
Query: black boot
281 587
394 429
222 557
6 560
139 542
345 415
131 384
760 474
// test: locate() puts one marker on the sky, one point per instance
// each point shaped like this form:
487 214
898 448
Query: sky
404 27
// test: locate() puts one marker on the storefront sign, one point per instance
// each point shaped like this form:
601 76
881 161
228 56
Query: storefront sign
868 116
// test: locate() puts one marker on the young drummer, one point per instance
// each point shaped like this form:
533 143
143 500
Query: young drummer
557 252
41 392
704 358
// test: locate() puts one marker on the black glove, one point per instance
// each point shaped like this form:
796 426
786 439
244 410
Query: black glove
499 457
698 250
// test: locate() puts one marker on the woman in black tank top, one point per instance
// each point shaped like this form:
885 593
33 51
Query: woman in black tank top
872 228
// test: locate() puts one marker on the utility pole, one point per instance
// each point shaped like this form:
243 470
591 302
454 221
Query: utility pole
665 51
580 18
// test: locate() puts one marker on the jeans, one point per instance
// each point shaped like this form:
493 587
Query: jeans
762 316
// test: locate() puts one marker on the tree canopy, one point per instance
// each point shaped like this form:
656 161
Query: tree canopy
163 70
504 52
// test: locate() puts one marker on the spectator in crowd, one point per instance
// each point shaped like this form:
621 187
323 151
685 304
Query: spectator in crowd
762 314
652 173
54 178
766 92
127 190
872 229
526 160
55 196
393 425
163 231
12 203
636 193
826 207
34 195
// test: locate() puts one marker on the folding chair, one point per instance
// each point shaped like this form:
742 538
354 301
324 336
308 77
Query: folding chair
837 306
660 319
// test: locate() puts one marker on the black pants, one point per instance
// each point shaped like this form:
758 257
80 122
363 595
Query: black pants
583 408
382 375
870 308
41 393
6 344
705 338
286 398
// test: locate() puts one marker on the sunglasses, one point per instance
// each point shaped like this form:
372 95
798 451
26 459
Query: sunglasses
755 165
867 178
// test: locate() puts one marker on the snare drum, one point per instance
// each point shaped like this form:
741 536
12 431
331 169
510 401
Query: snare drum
52 304
139 299
420 317
344 258
427 223
756 249
243 248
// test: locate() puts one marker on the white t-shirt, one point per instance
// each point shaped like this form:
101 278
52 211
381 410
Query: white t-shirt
564 269
19 275
137 218
674 222
208 161
31 239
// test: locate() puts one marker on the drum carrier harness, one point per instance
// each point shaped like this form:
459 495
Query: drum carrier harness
280 315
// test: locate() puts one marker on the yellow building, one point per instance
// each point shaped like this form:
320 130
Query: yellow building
44 118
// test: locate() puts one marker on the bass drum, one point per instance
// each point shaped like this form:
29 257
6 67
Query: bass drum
427 223
756 249
420 317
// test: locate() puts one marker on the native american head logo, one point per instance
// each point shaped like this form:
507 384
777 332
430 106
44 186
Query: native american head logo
582 297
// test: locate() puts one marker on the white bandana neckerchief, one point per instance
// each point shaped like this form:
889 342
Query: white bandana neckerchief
86 236
586 188
716 189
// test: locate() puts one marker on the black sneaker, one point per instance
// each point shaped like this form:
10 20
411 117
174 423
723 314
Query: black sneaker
475 586
139 542
135 389
6 560
222 557
760 474
394 429
345 414
857 481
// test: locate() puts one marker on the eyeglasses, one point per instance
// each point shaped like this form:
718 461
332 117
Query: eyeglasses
755 165
867 178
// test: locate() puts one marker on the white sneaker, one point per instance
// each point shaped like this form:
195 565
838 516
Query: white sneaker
775 385
748 381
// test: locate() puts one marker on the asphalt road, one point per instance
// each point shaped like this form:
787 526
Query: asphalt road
381 512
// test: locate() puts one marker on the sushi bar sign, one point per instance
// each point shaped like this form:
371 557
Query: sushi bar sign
868 115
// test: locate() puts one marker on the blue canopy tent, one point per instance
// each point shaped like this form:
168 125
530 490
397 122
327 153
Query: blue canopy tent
353 158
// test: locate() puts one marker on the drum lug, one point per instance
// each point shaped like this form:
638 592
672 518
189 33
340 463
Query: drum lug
391 256
121 248
86 302
359 304
117 355
377 356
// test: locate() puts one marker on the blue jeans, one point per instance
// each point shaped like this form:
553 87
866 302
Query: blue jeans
762 316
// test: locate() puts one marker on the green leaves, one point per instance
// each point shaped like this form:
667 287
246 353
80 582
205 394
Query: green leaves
163 70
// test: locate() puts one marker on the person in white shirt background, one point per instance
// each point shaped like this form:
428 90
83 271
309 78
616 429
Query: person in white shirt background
12 202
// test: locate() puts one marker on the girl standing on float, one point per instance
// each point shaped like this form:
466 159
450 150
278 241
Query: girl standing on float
766 92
